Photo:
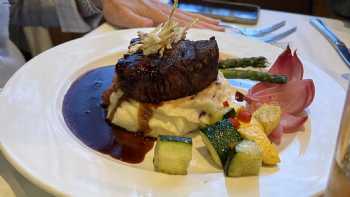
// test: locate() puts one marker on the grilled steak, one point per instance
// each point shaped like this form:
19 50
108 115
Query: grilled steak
184 70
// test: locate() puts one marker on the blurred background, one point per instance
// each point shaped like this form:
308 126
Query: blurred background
38 25
26 38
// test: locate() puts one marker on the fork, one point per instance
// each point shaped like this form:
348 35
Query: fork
261 32
276 37
253 32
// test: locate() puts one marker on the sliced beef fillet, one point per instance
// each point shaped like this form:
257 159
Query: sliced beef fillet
187 68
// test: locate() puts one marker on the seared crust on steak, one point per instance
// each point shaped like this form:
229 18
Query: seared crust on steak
184 70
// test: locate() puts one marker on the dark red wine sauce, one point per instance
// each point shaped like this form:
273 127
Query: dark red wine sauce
85 117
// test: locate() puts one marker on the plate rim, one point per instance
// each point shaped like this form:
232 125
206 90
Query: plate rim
47 186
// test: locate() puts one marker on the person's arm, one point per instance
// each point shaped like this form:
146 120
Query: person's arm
147 13
71 16
84 15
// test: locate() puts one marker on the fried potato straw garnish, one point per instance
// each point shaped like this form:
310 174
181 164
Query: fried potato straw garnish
162 37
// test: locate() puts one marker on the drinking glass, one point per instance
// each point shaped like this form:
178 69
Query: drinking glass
339 179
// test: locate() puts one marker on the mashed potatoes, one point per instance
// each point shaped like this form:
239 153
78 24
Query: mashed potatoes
179 116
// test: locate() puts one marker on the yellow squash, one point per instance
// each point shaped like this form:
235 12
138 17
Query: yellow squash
254 131
269 116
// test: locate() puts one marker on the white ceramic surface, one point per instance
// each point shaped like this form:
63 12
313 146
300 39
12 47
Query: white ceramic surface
35 139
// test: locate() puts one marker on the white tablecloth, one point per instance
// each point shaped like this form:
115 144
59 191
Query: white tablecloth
310 43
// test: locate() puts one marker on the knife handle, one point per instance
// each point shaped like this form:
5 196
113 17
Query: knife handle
320 26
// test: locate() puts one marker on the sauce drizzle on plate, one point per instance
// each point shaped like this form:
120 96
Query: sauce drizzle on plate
85 117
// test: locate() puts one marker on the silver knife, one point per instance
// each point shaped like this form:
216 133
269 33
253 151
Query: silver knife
339 46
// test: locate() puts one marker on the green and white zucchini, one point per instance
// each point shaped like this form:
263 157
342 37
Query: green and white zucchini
172 154
219 139
245 160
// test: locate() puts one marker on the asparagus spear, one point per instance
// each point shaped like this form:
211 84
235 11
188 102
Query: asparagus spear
254 75
259 62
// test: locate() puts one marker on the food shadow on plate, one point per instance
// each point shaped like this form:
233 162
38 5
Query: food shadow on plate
302 136
249 186
287 139
203 151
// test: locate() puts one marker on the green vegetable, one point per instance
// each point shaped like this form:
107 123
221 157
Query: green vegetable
230 114
258 62
245 160
254 75
219 139
172 154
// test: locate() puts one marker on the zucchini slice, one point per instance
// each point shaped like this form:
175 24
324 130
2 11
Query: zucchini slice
172 154
219 139
245 160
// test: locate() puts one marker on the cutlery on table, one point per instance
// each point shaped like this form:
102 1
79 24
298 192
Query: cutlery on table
261 33
339 46
253 32
276 37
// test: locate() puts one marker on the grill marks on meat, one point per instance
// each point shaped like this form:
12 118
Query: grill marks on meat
187 68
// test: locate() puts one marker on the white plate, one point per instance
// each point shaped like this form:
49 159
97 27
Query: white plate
36 140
